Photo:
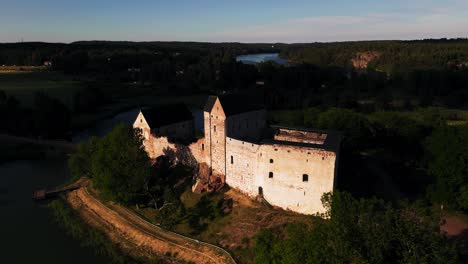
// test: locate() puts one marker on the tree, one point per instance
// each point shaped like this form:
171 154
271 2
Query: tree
80 162
447 155
356 127
120 166
358 231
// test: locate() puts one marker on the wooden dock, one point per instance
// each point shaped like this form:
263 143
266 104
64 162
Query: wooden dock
43 194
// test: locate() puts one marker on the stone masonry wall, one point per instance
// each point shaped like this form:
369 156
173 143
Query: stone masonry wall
251 164
286 187
242 165
215 133
246 126
158 146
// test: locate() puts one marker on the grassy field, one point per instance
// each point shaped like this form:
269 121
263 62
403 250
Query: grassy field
24 85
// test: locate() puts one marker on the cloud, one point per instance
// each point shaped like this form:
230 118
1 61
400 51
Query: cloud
435 22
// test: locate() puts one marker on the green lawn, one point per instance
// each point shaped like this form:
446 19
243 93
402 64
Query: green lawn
24 85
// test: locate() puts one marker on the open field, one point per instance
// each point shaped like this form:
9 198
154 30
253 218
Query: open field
24 85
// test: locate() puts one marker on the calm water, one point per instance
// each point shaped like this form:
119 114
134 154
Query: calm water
261 57
28 233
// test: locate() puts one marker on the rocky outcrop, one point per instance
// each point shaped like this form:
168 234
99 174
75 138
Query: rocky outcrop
362 59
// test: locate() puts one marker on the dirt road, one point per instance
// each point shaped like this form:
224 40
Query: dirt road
138 235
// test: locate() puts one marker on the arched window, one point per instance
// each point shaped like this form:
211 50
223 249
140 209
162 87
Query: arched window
270 175
305 177
271 160
214 127
232 160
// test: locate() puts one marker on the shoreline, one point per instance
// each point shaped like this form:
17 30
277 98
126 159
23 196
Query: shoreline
139 238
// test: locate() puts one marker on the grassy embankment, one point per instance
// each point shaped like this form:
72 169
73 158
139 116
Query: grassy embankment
89 236
234 231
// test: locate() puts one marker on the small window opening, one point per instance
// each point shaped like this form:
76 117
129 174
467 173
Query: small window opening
305 177
141 120
202 146
214 128
270 175
271 160
232 160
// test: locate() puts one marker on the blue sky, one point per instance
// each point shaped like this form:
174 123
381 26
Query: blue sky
231 20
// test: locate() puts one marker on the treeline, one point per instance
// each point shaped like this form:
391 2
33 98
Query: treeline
423 156
304 85
393 56
404 74
95 53
358 231
47 118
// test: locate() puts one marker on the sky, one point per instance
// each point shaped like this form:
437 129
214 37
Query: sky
287 21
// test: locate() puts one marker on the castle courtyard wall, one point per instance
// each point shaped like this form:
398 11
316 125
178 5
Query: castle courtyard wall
286 189
241 172
250 174
247 126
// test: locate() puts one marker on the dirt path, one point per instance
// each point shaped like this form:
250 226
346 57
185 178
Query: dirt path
454 225
134 233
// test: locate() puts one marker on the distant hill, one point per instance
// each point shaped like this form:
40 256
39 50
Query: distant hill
387 56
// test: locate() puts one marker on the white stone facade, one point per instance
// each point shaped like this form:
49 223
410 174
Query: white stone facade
290 174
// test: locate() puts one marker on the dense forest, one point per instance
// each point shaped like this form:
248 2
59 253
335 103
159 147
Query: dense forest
382 74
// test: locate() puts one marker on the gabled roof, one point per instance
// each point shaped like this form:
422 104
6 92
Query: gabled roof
210 103
232 104
166 114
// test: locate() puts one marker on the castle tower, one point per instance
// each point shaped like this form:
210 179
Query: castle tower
215 137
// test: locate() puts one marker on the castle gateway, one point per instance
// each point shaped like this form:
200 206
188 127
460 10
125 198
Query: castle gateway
289 168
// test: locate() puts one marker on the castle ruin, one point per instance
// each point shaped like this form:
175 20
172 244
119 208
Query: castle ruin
289 168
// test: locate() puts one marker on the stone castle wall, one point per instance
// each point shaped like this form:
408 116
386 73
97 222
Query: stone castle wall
242 171
246 126
247 166
215 134
288 165
285 188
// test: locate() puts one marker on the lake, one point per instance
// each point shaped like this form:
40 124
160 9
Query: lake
28 232
261 57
